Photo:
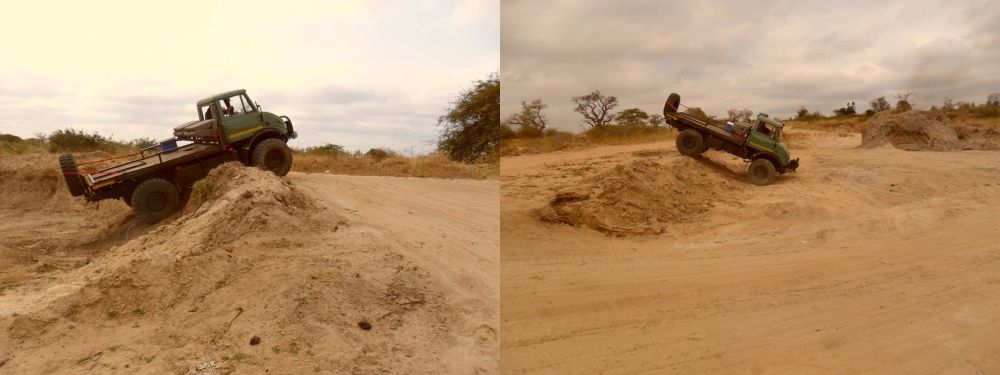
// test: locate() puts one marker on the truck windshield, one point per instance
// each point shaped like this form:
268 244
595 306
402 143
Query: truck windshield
768 130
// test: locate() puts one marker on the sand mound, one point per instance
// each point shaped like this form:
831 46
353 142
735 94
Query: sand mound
641 198
251 255
910 130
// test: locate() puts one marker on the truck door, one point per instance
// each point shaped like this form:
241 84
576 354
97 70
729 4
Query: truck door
762 137
243 121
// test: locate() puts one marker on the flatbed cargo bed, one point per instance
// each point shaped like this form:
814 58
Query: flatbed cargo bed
153 162
710 126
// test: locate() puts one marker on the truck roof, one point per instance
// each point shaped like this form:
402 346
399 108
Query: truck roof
769 120
220 96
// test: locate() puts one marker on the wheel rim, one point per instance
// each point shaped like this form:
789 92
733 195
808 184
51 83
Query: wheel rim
760 172
156 201
273 159
688 142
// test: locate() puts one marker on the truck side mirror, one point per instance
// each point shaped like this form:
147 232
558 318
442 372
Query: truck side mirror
258 106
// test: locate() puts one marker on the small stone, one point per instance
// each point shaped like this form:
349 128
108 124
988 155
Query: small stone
365 325
255 340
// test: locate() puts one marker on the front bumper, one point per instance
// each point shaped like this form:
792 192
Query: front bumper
793 164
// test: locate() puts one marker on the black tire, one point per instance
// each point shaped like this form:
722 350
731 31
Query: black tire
72 175
672 105
690 143
761 172
273 155
155 199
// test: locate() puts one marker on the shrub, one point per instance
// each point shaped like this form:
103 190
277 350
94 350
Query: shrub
72 140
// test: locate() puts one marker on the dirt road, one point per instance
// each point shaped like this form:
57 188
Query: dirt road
307 263
866 261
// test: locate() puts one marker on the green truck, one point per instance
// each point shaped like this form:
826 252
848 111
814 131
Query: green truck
758 142
156 180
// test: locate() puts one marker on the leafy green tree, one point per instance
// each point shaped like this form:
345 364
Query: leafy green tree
848 110
470 130
327 149
879 104
632 117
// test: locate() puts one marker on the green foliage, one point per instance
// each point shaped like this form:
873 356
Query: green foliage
327 149
10 138
77 140
204 190
471 127
802 113
698 112
632 117
506 132
879 104
141 143
848 110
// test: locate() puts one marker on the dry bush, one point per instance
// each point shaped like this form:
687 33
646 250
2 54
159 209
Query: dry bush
391 164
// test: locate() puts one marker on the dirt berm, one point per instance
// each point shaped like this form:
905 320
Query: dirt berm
250 255
921 130
642 197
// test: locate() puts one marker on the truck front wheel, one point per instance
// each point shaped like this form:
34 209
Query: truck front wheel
273 155
761 172
155 199
690 143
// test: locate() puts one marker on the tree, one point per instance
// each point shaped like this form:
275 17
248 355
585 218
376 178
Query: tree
903 101
948 105
595 108
656 120
698 112
632 117
743 115
470 130
993 100
530 120
848 110
879 104
802 113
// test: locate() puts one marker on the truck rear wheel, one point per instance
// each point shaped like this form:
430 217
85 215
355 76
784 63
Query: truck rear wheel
761 172
155 199
690 143
72 175
273 155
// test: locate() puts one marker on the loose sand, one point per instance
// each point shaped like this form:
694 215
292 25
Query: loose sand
869 260
305 263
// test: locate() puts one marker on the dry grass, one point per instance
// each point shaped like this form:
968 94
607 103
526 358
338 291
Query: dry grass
563 141
433 165
837 124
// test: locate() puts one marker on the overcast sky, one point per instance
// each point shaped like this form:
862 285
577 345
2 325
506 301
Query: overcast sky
356 73
770 56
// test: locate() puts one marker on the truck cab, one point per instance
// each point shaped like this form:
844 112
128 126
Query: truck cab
765 138
231 118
